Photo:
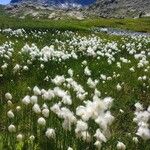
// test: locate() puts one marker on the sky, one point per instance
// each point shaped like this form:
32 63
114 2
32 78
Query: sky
4 1
78 1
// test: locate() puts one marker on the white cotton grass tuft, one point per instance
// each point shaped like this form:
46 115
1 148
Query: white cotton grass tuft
16 68
142 118
98 144
26 100
69 148
50 133
108 102
36 108
121 146
86 136
100 136
19 137
70 72
92 83
118 87
33 99
45 112
12 128
9 102
87 71
41 121
81 126
135 140
144 132
97 110
10 114
8 96
97 92
25 68
32 137
18 108
139 107
58 80
36 91
4 66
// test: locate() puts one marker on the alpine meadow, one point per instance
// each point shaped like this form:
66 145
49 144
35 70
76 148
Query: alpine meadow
71 79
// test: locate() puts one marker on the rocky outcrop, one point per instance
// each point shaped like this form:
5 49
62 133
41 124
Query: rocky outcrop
23 10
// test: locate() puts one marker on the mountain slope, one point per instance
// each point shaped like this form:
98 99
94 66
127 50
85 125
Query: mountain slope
102 8
120 8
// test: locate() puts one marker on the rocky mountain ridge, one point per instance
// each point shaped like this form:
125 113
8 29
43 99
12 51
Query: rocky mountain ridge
100 8
120 8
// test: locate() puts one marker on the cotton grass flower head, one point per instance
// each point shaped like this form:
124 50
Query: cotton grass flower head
18 108
25 68
108 102
135 140
36 91
70 72
45 112
69 148
8 96
81 126
9 102
16 68
86 136
36 108
41 121
91 83
12 128
34 99
97 93
50 133
138 106
19 137
58 80
56 108
32 137
144 132
10 114
118 87
121 146
100 136
4 66
87 71
26 100
98 144
142 118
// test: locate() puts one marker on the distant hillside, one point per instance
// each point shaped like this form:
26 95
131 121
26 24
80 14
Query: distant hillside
101 8
121 8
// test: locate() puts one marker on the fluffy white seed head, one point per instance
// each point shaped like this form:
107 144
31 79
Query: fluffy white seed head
121 146
10 114
36 91
50 133
26 100
19 137
41 121
32 137
12 128
34 99
36 108
8 96
135 140
45 112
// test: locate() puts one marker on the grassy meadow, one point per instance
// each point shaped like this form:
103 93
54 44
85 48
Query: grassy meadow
64 87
